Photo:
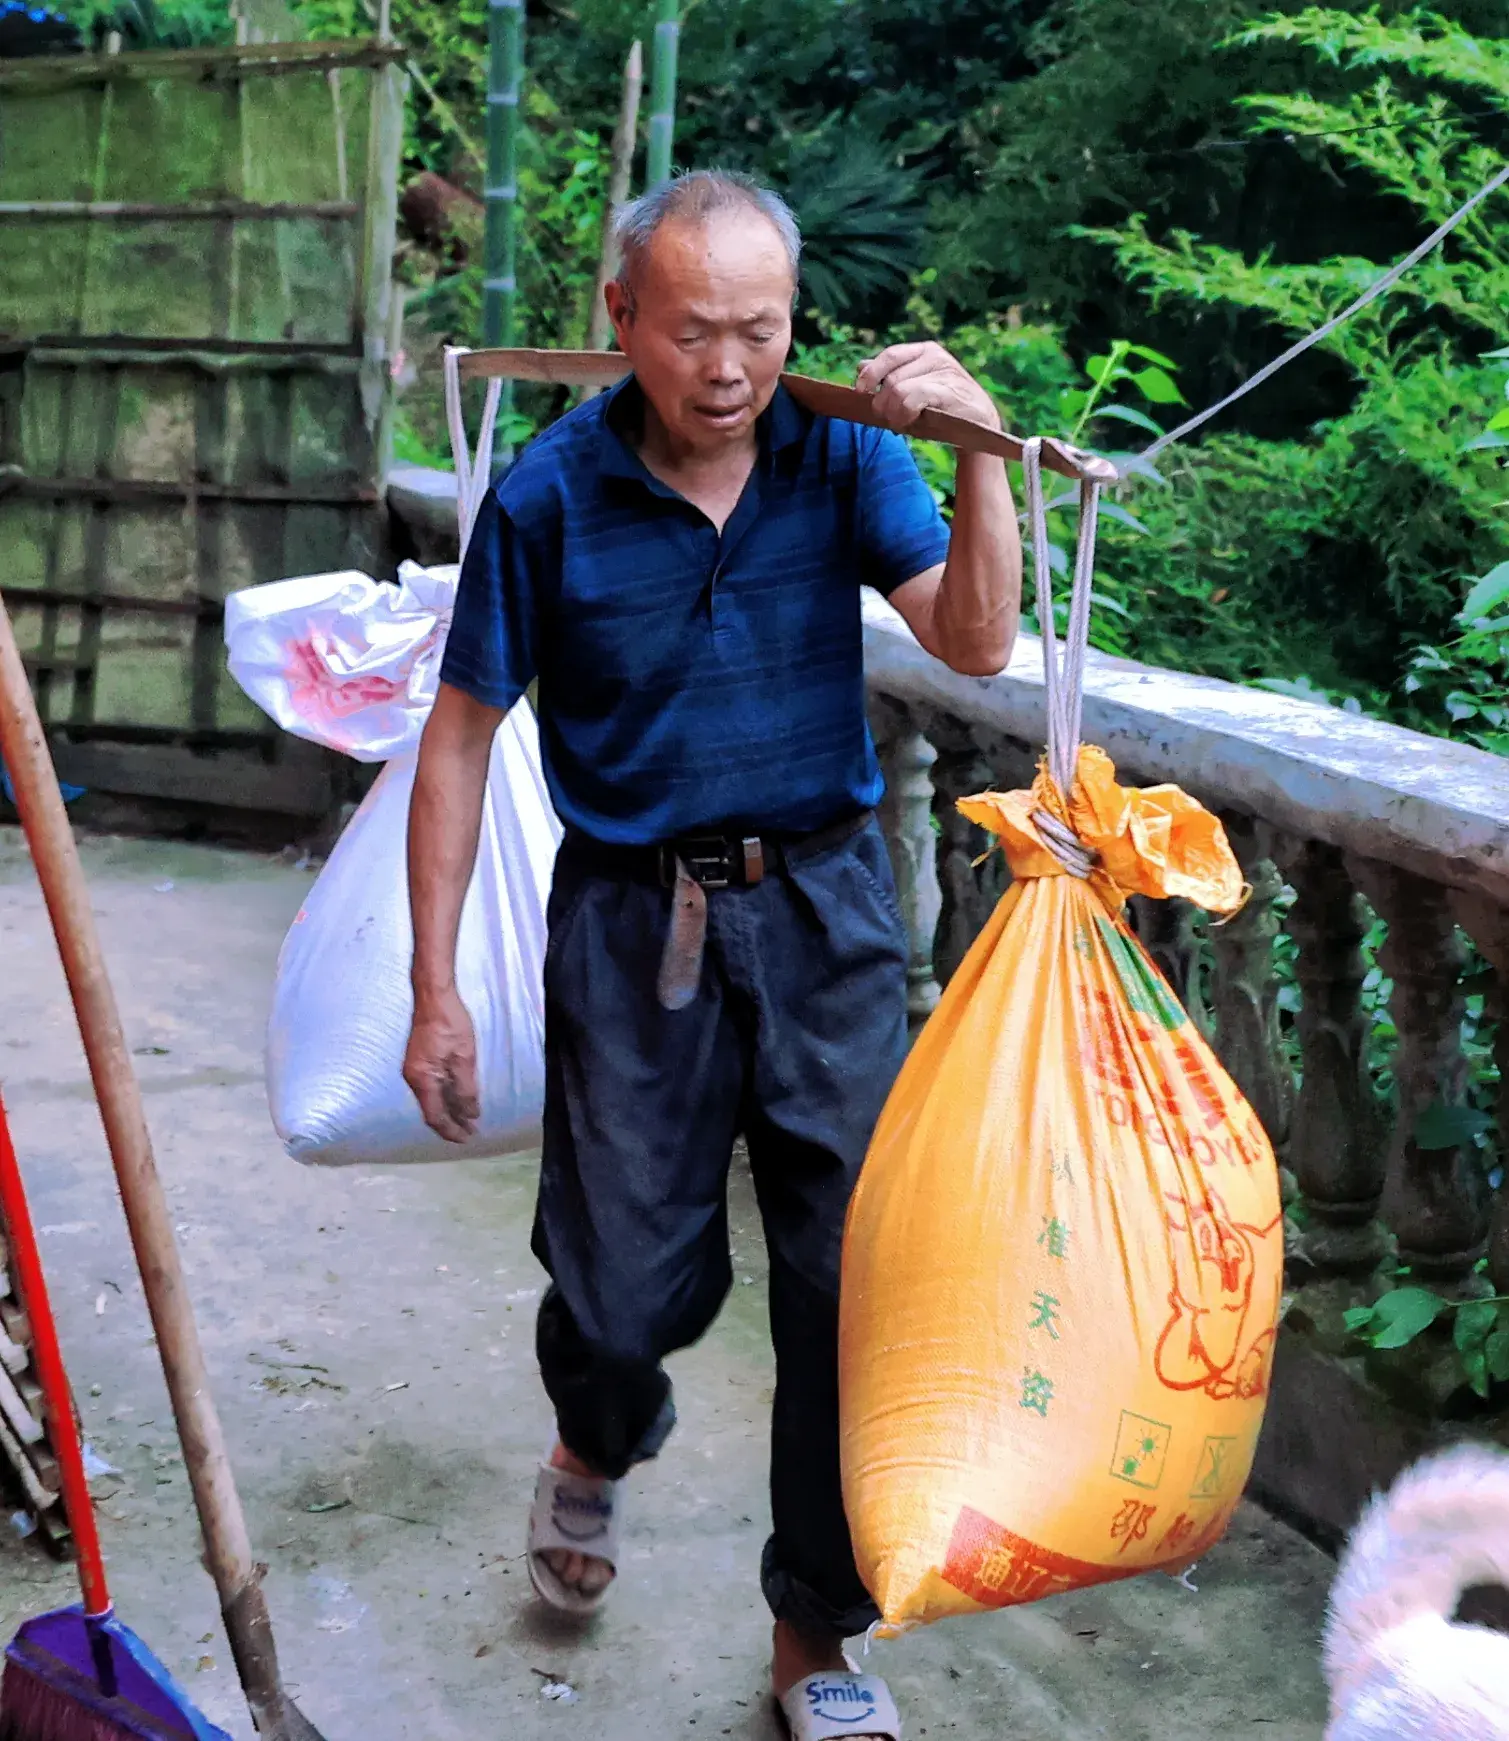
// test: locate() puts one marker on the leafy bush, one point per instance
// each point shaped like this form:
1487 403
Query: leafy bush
1377 521
144 24
1480 1329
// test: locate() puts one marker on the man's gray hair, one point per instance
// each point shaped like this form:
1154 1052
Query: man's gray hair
697 196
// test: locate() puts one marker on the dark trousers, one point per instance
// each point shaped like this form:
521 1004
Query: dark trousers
794 1039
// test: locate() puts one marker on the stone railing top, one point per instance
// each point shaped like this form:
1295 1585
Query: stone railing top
424 497
1437 808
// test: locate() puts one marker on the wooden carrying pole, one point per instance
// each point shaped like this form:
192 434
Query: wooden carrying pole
825 398
228 1553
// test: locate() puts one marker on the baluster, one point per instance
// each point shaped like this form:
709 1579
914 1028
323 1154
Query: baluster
1488 926
1170 932
1335 1146
1433 1200
906 820
1498 1232
1244 986
970 888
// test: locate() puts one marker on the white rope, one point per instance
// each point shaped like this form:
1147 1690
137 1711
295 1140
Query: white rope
1371 294
1063 684
473 474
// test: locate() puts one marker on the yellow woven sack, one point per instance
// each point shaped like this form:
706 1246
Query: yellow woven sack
1063 1262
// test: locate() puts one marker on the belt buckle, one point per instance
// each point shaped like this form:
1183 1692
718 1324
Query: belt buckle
709 861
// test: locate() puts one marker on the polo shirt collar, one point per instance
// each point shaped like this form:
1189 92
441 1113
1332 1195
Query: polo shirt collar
782 424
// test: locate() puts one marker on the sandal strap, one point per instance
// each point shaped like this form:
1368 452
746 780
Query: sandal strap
824 1706
578 1513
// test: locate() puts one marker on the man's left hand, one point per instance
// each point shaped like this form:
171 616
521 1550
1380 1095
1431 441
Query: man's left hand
910 379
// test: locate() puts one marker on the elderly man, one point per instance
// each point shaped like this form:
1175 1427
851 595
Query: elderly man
679 563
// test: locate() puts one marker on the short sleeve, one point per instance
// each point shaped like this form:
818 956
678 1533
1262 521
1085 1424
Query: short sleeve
901 532
490 652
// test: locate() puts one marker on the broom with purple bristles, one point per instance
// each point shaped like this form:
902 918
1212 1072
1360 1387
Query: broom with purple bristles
77 1674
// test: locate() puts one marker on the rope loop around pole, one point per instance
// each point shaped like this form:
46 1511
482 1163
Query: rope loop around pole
473 472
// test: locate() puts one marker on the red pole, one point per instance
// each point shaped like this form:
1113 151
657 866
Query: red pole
56 1395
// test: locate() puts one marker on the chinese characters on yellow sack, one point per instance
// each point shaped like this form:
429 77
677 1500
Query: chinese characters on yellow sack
1063 1262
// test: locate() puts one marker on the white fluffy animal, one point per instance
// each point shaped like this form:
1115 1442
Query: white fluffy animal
1399 1667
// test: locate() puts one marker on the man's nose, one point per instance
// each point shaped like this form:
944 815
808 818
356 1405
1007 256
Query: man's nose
723 366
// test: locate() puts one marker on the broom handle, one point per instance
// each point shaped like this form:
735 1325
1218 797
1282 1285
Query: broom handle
49 835
22 1235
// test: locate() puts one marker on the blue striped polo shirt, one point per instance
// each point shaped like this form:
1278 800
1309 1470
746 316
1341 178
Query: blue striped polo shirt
691 682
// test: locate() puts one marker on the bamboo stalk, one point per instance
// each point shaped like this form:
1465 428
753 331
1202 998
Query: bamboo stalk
599 329
663 93
505 40
505 78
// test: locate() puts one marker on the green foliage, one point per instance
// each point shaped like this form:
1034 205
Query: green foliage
144 24
862 217
1396 499
1480 1330
1037 387
1466 681
757 77
563 176
1087 180
1024 367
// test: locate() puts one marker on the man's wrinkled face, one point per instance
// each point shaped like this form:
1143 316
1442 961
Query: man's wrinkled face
708 328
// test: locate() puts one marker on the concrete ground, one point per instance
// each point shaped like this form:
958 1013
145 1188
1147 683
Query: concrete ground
370 1339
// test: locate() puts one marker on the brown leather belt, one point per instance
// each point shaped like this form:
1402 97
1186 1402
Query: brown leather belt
693 867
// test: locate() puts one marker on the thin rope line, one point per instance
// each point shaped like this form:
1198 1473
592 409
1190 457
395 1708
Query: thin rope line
1042 575
461 456
1062 690
1374 291
1079 624
482 463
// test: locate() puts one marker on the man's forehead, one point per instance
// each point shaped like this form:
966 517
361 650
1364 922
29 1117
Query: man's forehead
704 254
729 310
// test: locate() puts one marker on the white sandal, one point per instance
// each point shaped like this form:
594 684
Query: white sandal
827 1705
577 1513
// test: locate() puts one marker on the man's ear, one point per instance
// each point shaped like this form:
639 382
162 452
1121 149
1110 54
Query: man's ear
620 308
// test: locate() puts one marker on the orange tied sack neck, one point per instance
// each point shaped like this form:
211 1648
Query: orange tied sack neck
1063 1262
1157 841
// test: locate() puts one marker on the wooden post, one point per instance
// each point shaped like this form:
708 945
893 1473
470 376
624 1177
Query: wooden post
599 330
379 238
663 93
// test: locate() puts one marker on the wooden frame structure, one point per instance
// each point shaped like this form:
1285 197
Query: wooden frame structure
196 321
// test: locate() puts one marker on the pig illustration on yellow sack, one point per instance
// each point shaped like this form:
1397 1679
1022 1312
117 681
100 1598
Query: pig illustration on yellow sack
1063 1262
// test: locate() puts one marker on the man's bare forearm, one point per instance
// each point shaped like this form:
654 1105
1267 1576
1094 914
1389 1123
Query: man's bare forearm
979 601
445 820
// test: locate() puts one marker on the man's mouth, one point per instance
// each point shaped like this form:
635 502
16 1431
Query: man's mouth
723 416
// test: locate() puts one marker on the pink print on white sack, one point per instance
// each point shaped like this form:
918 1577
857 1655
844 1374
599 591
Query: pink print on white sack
316 692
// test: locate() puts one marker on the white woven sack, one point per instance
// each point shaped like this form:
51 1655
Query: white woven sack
342 1003
349 662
